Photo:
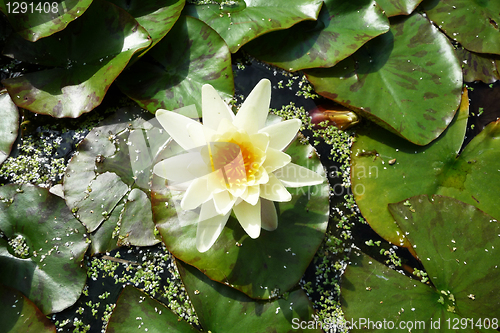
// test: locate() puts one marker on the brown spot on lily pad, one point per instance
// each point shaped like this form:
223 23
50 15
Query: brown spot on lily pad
429 95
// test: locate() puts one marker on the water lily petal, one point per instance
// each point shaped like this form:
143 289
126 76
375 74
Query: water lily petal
293 175
260 140
253 112
251 194
269 216
196 194
209 230
281 134
199 135
249 217
275 159
223 202
213 107
274 190
181 168
176 125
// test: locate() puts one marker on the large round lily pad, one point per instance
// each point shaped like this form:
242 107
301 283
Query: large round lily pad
106 183
138 312
458 245
221 308
37 19
238 22
471 177
263 267
342 27
42 256
19 314
173 72
8 126
474 24
408 80
87 56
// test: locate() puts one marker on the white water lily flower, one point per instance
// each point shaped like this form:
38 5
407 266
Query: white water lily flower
233 163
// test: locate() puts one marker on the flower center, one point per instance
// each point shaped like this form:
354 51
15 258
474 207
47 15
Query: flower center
237 158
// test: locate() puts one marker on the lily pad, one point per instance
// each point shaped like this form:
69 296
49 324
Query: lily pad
138 312
42 256
84 66
9 125
342 28
451 238
385 170
263 267
172 73
479 67
398 7
475 25
37 19
223 309
107 182
238 22
19 314
157 16
408 80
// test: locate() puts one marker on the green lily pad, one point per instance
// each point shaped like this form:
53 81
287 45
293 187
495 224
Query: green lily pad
42 256
238 22
398 7
173 72
84 66
479 67
223 309
19 314
107 181
451 238
475 24
376 298
138 312
408 80
9 125
37 19
263 267
342 28
471 177
157 16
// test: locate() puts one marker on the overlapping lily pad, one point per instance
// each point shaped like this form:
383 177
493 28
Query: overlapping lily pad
342 27
83 66
238 22
8 126
451 238
156 16
107 182
407 80
223 309
19 314
137 312
475 25
42 256
382 161
173 72
398 7
479 67
37 19
263 267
